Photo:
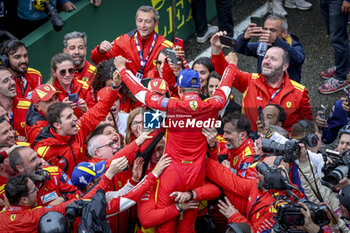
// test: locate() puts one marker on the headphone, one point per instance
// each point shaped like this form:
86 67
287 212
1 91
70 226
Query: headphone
311 140
4 57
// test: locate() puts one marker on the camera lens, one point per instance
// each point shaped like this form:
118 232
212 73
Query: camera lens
338 174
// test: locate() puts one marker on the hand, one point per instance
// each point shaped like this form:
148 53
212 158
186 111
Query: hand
22 138
117 79
330 213
81 104
137 169
117 165
320 122
105 46
252 31
57 201
96 2
309 225
345 8
345 104
216 46
210 134
143 137
181 196
119 62
342 183
163 163
231 58
263 127
188 205
72 104
227 209
179 53
303 154
226 163
68 6
268 37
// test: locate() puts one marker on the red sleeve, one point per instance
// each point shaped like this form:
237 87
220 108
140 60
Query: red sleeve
219 63
226 179
121 203
265 222
128 151
213 153
169 77
150 216
242 81
103 184
306 111
89 98
208 191
97 57
95 115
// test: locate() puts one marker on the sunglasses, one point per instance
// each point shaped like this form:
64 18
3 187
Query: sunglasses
64 72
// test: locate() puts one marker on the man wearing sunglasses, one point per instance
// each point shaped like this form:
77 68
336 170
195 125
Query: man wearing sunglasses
42 98
15 58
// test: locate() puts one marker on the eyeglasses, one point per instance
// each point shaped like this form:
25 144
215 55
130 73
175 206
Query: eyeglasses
35 190
7 79
110 144
134 123
64 72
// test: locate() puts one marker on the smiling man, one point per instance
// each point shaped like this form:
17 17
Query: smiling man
16 60
140 46
62 142
75 45
271 86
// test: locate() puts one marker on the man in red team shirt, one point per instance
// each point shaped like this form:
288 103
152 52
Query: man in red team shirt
185 143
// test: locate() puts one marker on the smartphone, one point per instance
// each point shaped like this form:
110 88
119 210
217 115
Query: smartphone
260 111
73 97
229 41
172 56
178 43
324 112
256 20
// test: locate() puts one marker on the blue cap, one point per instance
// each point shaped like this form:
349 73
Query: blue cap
86 172
185 78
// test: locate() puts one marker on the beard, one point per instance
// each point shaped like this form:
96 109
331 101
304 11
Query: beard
78 62
18 70
39 175
274 75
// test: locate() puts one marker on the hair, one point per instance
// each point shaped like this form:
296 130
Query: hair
239 121
280 130
3 68
280 18
300 132
16 188
214 74
104 73
16 44
15 157
281 113
93 144
163 51
191 89
244 227
99 130
74 35
148 9
285 55
58 59
54 112
205 61
132 114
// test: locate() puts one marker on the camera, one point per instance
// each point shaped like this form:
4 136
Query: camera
337 169
273 178
51 11
290 150
73 211
289 214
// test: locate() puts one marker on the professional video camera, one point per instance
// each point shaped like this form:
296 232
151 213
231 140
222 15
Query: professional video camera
290 150
51 11
289 215
338 168
273 178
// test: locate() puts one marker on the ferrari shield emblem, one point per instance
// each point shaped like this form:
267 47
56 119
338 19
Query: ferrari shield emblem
289 104
193 105
13 216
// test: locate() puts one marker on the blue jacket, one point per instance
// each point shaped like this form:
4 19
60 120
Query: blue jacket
296 53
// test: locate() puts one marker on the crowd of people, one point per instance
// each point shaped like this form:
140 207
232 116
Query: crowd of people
201 163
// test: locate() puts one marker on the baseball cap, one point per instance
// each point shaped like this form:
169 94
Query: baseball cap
86 172
158 85
43 92
185 78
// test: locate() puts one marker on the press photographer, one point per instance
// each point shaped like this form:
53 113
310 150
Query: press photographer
50 9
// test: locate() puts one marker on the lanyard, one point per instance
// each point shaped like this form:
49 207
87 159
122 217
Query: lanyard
23 85
144 62
275 93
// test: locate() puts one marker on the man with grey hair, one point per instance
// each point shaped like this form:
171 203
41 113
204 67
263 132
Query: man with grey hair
75 44
101 147
274 32
140 47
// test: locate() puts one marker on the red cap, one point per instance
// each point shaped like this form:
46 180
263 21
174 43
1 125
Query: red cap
158 85
43 92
